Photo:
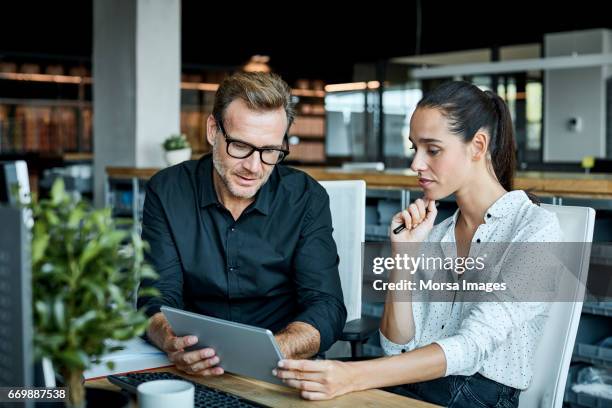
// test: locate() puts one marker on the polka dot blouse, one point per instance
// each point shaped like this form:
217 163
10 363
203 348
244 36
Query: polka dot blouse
495 339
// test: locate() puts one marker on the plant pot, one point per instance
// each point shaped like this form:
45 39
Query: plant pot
177 156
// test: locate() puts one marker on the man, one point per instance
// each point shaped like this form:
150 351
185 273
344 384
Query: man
237 237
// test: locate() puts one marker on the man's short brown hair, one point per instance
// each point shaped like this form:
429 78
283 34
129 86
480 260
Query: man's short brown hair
260 91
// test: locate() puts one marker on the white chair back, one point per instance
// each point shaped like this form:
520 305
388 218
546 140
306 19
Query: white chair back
554 352
347 199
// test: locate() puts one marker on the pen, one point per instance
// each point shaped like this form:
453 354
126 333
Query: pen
402 227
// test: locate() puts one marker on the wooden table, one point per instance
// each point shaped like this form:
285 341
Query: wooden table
541 183
277 396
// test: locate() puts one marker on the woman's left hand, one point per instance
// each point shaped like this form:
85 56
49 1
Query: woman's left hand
318 379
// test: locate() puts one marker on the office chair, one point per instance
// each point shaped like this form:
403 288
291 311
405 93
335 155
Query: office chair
554 352
347 199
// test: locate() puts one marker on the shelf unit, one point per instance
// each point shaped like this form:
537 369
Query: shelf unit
307 134
581 400
56 116
51 124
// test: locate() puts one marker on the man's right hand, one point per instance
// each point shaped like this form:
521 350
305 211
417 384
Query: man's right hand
199 362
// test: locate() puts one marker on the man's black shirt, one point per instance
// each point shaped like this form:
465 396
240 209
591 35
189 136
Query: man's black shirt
276 264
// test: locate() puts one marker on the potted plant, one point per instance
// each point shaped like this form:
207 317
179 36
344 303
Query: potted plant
177 149
85 271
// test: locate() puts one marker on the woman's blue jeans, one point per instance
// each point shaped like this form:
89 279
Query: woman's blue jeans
458 391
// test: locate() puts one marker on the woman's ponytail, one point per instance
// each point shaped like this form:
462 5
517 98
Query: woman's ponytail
503 147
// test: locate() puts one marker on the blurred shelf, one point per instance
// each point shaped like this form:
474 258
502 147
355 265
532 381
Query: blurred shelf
77 156
200 86
59 79
46 102
71 183
313 115
312 93
77 80
582 400
593 354
309 138
599 308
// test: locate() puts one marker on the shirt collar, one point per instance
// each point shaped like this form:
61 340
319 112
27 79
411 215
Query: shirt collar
505 205
264 195
209 197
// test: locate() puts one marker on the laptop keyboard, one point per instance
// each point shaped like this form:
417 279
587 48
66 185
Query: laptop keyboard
204 397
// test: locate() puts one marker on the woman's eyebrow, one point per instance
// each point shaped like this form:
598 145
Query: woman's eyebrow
427 140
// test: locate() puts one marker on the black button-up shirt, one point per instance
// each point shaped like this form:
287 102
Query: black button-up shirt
276 264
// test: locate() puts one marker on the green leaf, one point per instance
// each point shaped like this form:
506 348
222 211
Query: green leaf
59 313
40 243
52 217
58 193
75 358
82 320
96 289
114 238
123 334
42 311
116 294
53 341
75 217
148 292
146 272
92 249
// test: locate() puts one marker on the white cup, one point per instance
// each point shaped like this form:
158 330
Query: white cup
166 393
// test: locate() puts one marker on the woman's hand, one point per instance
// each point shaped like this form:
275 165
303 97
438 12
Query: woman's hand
317 380
418 218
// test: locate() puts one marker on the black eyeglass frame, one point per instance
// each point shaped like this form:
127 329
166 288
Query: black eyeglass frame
229 140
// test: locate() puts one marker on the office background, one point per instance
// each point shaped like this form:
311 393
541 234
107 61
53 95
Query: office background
89 91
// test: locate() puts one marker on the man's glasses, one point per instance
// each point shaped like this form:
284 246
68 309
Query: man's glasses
241 150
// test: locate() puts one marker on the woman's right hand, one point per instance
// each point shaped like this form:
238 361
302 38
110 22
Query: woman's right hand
418 218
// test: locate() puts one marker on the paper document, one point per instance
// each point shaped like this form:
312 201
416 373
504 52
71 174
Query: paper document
137 355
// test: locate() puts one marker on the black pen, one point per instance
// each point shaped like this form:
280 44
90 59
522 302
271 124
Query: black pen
402 227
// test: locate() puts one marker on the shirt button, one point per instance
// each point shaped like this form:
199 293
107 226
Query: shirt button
478 240
233 229
231 268
488 215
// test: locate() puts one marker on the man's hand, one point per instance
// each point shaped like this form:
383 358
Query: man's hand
198 362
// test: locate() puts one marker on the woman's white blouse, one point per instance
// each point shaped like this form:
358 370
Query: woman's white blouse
495 339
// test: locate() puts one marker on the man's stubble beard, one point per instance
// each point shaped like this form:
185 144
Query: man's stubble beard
222 172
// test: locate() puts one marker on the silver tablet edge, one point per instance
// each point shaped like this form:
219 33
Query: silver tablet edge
244 326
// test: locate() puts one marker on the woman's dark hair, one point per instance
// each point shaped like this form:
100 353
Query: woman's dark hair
469 109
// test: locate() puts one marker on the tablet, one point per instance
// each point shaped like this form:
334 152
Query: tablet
243 349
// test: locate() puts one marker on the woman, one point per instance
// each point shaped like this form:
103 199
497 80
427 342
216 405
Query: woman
452 354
